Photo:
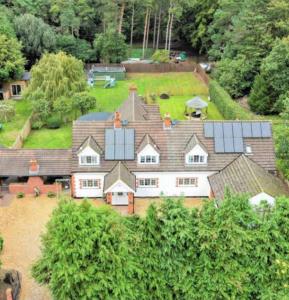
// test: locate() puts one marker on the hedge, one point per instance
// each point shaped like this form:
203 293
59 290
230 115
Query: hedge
226 105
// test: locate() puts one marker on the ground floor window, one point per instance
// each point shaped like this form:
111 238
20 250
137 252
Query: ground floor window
187 181
148 182
90 183
16 89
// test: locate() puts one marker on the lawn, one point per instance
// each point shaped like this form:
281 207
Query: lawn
11 129
181 87
50 138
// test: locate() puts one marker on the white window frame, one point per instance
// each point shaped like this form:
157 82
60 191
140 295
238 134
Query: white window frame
187 182
148 159
16 86
196 159
83 160
147 182
90 183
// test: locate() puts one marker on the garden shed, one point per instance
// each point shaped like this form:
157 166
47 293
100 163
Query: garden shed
115 72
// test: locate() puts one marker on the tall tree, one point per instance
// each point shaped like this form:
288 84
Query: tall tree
11 59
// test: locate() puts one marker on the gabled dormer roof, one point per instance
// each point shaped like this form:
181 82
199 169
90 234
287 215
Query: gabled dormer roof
194 141
90 142
119 172
147 140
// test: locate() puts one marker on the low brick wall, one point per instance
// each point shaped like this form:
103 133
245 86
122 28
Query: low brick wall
31 184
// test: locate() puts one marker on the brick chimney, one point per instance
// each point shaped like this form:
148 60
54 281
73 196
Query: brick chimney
117 120
167 121
132 89
9 294
33 166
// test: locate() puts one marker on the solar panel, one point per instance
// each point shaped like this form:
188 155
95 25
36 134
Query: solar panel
266 129
247 129
237 130
218 130
228 129
238 144
229 145
219 145
119 144
256 129
209 129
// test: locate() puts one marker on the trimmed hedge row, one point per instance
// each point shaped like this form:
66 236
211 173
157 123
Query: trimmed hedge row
226 105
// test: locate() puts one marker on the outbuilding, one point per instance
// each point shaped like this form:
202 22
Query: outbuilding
101 71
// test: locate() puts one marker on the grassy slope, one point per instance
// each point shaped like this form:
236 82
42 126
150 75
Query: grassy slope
182 86
11 129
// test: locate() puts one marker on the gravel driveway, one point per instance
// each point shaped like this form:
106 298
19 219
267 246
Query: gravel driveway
21 224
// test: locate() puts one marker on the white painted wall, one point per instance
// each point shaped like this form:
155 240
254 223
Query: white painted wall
167 184
87 151
148 150
256 200
197 150
88 193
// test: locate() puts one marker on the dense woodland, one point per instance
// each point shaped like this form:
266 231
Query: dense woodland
247 39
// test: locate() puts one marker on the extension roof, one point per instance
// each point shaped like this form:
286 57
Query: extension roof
244 175
119 172
15 162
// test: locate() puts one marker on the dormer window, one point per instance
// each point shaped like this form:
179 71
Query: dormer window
89 160
89 153
148 152
195 152
248 149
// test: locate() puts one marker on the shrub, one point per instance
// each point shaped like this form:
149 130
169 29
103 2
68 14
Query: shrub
51 194
37 125
161 56
20 195
226 105
53 122
7 111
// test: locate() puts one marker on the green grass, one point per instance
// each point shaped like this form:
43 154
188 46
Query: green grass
181 87
11 129
50 138
137 53
176 107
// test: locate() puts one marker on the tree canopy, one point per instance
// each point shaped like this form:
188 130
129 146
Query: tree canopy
11 59
231 250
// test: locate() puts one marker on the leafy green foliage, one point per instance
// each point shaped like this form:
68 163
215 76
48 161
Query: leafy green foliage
7 111
111 47
6 26
161 56
78 48
273 82
83 102
35 35
11 60
228 251
225 104
1 247
53 77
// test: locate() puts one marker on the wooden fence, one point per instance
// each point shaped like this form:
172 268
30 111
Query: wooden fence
23 134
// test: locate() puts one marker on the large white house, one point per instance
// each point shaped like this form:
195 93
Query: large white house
137 153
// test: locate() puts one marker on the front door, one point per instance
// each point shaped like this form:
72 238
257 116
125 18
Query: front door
119 198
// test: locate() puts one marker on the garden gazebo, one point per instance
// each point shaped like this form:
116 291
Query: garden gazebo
197 104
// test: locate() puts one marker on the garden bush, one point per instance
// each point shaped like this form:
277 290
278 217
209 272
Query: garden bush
161 56
36 125
7 111
20 195
53 122
226 105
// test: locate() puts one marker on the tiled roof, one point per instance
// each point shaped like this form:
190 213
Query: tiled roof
171 144
192 143
244 175
147 140
15 162
90 141
119 172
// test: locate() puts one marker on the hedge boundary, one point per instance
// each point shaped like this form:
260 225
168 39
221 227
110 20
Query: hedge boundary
226 105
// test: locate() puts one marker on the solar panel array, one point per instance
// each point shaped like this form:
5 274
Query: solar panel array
229 136
119 144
